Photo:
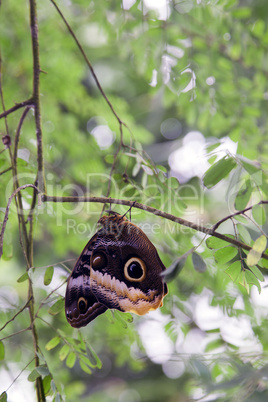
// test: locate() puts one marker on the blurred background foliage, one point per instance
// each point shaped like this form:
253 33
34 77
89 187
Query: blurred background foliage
189 78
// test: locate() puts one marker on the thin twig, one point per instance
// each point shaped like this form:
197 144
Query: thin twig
30 219
6 170
19 205
111 173
7 211
17 137
28 102
15 333
157 212
48 296
14 316
22 223
88 63
15 379
237 213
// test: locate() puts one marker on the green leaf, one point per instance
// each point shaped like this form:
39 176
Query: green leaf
250 166
242 12
216 343
259 28
7 251
234 270
198 263
216 243
259 214
252 280
243 196
84 367
33 375
243 233
23 277
42 370
53 343
255 253
70 361
57 307
119 316
64 352
175 268
243 282
255 270
225 254
91 352
172 182
47 384
218 171
230 3
109 159
2 351
264 262
48 275
3 397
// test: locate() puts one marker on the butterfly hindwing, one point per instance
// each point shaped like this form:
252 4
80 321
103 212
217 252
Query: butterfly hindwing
81 305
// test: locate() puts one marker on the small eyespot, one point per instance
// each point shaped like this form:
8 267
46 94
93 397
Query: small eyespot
82 304
99 261
135 270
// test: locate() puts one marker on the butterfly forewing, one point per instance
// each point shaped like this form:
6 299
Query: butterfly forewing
125 268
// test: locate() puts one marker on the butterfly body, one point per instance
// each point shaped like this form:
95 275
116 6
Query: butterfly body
120 269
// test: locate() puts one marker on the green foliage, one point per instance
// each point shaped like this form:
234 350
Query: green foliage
190 82
48 275
218 171
2 351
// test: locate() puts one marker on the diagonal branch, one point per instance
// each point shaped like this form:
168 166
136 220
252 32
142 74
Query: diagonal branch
17 106
6 170
15 315
7 212
89 64
157 212
237 213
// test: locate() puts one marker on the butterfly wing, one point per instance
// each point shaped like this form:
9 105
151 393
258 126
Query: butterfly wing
125 268
81 306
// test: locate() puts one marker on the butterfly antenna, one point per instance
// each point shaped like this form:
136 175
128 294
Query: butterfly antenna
129 210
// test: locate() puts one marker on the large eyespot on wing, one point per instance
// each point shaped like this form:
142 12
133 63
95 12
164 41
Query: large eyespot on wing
135 270
125 270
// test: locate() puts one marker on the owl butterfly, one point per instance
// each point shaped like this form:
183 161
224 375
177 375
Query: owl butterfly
118 269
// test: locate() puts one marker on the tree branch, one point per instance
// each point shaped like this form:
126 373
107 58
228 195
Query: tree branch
15 315
17 137
6 170
237 213
36 94
157 212
7 211
28 102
